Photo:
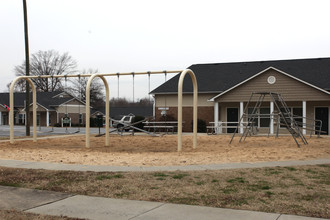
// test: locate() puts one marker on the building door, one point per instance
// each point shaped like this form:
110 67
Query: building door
232 116
38 119
5 118
322 113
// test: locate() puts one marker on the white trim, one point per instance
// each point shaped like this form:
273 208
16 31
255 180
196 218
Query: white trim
72 96
271 124
60 94
216 115
38 104
47 118
71 105
97 112
241 112
265 70
64 103
304 114
185 93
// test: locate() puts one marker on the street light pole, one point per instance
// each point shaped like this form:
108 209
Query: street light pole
27 72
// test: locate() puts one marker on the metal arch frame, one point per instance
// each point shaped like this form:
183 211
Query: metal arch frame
195 98
107 109
102 75
11 106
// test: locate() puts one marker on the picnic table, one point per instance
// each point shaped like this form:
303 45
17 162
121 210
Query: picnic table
161 126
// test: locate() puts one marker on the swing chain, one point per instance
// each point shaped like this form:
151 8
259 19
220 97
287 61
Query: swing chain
133 74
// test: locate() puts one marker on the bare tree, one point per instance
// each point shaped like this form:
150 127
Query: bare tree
78 88
49 63
19 86
123 102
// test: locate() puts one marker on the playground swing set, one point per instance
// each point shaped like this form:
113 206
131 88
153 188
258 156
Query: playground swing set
107 108
149 126
66 120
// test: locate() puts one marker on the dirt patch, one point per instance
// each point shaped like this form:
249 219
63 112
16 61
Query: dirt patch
161 151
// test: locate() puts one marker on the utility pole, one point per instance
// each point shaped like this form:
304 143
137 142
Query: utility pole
27 72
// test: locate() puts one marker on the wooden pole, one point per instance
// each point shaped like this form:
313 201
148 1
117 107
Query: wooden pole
27 72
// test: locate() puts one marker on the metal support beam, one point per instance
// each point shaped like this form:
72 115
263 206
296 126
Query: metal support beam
11 106
195 98
102 76
107 109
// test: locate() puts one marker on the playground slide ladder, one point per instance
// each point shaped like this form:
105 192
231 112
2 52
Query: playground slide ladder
281 109
286 118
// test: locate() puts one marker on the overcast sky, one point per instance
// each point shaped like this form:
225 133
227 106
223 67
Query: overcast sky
142 35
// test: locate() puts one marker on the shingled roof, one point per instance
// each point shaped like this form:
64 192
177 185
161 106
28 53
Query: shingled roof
219 77
46 99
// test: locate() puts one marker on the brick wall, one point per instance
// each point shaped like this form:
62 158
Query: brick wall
204 113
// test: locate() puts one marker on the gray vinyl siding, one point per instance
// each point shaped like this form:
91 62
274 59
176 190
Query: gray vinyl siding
290 89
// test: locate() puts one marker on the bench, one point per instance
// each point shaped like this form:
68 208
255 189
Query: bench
161 126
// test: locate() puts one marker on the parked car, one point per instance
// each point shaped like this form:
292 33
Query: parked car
125 120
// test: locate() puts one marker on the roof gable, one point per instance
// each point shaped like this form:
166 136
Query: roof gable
266 70
220 77
45 99
291 88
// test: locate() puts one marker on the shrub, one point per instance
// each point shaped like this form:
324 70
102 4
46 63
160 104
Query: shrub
57 125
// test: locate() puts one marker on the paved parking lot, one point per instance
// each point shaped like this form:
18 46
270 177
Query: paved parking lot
42 131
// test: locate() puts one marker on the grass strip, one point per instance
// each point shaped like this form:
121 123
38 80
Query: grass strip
298 190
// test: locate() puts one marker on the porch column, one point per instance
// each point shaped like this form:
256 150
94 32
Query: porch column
0 118
47 118
216 115
304 116
271 124
153 109
241 112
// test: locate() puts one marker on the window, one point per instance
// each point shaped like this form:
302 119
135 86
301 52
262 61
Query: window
262 117
255 121
297 115
80 118
21 119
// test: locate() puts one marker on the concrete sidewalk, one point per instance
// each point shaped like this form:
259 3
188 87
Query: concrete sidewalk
61 204
104 168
